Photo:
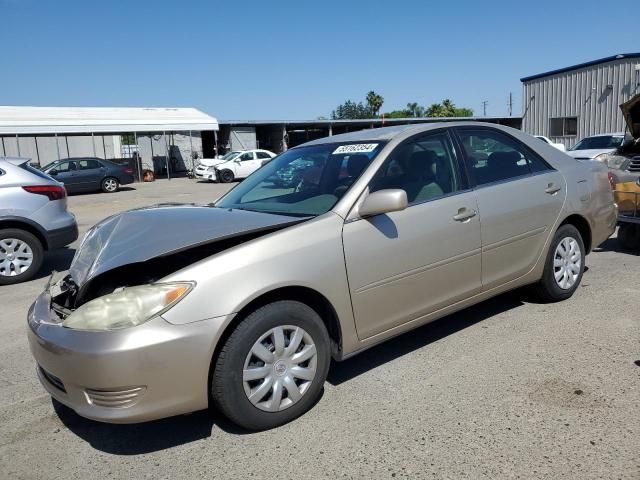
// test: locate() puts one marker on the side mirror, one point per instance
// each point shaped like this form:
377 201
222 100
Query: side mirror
53 172
383 201
237 160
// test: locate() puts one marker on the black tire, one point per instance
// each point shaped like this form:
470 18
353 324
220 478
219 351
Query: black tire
227 176
107 185
548 289
227 386
37 251
629 236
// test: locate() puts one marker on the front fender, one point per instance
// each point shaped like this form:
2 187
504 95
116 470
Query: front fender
308 254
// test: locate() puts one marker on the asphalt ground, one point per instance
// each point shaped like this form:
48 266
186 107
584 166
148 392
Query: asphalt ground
509 388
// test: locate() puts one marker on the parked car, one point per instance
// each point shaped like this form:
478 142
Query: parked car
596 146
624 174
33 219
242 165
559 146
244 303
90 174
205 170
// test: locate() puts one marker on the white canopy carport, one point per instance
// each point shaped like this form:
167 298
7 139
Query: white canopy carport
50 133
62 120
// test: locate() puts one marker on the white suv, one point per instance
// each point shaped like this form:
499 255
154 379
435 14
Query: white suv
233 165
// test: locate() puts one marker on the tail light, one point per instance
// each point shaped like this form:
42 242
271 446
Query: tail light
128 170
53 192
612 180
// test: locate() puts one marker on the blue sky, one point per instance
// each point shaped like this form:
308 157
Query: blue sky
295 60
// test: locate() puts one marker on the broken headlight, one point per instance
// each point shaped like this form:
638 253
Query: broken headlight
127 307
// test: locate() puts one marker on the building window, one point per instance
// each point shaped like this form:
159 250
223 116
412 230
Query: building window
563 127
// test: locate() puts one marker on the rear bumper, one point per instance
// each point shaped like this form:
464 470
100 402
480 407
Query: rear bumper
126 179
137 374
62 236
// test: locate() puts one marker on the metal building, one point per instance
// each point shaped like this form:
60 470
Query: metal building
574 102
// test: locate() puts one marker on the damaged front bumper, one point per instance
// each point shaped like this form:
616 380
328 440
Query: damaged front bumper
136 374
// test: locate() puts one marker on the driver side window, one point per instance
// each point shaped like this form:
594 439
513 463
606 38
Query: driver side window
425 168
246 156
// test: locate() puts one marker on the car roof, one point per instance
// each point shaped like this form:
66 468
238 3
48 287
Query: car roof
15 160
388 133
614 134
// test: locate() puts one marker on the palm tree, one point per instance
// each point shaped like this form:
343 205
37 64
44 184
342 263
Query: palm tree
374 101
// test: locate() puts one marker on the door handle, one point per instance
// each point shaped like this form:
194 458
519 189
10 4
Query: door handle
552 189
464 214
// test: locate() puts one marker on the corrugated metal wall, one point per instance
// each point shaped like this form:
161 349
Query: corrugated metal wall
581 93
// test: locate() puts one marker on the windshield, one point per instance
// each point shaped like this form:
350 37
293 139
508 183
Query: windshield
601 141
304 181
48 166
230 155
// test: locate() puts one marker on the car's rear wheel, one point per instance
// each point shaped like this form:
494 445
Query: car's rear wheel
629 236
564 265
21 255
110 185
227 176
272 367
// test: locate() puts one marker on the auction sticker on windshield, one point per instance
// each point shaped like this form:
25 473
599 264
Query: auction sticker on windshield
356 148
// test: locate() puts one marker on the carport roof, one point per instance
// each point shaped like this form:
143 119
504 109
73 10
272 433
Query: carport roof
51 120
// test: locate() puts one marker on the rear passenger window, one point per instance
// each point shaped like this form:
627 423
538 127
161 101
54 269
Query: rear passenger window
424 168
88 164
495 157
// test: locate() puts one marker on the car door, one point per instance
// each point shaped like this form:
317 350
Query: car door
404 265
519 199
246 164
67 173
89 174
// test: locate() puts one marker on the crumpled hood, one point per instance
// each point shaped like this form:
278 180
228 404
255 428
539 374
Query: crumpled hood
210 162
142 234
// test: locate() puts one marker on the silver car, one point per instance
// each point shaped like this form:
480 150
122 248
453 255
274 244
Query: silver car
242 304
33 219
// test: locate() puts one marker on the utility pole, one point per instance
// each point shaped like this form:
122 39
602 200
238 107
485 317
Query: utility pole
510 104
484 108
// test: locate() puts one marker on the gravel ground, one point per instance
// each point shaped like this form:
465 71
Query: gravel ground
505 389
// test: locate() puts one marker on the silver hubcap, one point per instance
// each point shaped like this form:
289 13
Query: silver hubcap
567 262
279 368
16 257
110 184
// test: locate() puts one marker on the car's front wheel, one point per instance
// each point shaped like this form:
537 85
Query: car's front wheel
272 367
564 265
227 176
21 255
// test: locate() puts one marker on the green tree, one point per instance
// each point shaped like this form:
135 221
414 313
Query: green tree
350 110
374 102
447 109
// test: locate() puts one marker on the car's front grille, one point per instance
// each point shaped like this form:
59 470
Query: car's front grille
115 398
634 165
53 380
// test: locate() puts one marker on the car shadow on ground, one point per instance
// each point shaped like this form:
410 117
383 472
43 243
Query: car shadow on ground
57 260
612 245
97 192
137 439
148 437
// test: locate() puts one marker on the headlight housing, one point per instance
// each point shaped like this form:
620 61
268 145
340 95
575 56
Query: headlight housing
612 160
127 307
